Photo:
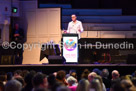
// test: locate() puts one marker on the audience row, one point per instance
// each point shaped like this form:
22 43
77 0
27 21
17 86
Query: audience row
96 80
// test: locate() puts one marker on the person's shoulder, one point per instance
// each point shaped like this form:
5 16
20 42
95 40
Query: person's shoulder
79 21
70 22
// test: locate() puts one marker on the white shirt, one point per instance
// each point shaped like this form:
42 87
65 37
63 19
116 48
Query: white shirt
75 27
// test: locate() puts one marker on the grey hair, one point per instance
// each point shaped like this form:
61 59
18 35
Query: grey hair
105 73
71 80
13 85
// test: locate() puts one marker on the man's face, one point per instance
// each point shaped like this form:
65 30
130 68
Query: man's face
90 78
73 17
45 84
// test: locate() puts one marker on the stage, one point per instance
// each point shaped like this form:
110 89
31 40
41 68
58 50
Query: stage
51 68
69 65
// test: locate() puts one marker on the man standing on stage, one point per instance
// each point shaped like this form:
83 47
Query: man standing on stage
18 37
75 26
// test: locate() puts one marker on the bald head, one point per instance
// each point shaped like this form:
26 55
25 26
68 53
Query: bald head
115 74
91 76
73 17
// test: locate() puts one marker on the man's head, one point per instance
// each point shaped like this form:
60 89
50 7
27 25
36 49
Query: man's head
40 80
51 79
97 71
17 73
91 76
74 74
115 74
61 75
28 78
71 71
13 85
73 17
105 73
71 80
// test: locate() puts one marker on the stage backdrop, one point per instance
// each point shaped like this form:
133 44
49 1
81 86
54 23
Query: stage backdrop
41 26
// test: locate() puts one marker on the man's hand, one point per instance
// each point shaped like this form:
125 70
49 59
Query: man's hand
79 30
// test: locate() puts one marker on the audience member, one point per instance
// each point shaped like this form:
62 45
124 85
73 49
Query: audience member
61 77
39 81
13 85
115 77
31 81
85 74
106 80
9 76
101 82
95 85
97 71
83 85
70 72
118 87
72 82
51 81
17 73
28 82
91 76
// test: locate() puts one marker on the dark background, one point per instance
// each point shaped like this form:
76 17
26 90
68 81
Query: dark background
0 33
128 6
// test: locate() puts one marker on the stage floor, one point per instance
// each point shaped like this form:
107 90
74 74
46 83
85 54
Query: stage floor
51 68
69 65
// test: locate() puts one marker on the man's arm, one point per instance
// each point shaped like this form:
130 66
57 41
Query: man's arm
81 27
68 28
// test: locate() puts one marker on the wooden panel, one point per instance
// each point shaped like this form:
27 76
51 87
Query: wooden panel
29 19
108 34
112 34
42 23
32 39
43 40
84 34
55 39
31 56
54 21
93 34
